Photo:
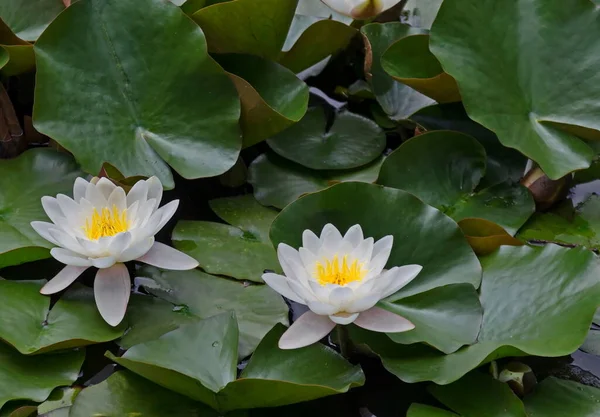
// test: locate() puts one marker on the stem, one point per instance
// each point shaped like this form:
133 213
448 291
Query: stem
344 342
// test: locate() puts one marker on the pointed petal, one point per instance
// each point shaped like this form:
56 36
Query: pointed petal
79 189
155 191
308 329
68 257
163 256
380 320
343 318
118 199
308 258
310 241
52 208
112 288
63 279
383 247
43 229
95 196
280 284
136 250
164 213
119 243
362 304
403 275
341 297
139 193
105 187
104 262
322 309
354 236
68 206
362 253
66 241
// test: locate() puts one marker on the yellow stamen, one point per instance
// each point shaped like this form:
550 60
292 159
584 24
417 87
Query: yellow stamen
331 272
106 223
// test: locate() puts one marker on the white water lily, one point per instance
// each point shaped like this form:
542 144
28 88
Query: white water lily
360 9
340 279
102 226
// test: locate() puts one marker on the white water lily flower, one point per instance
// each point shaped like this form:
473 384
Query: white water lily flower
102 226
360 9
340 279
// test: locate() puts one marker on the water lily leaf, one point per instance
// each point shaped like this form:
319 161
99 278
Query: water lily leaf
257 307
256 28
350 142
409 61
16 59
420 410
295 375
421 13
278 182
566 225
28 19
529 295
533 108
31 326
60 399
125 394
19 409
478 394
422 234
241 251
23 182
443 168
502 163
397 100
556 398
188 119
34 377
485 236
272 97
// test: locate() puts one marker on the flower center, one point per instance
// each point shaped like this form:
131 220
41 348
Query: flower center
106 223
334 272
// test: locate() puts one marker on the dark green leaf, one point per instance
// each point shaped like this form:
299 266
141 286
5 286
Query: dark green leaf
557 398
28 19
420 410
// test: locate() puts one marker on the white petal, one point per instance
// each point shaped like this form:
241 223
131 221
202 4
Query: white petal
119 243
105 187
380 320
292 265
331 240
52 208
68 206
354 236
144 212
322 309
343 318
341 297
139 193
118 199
95 196
103 263
63 279
155 191
112 288
330 229
68 257
308 329
383 247
362 253
308 258
361 304
301 290
360 9
163 256
321 292
79 189
164 213
280 284
66 241
310 241
401 278
136 250
43 229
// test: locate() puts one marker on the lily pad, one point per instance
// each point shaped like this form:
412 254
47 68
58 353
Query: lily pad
409 61
241 251
125 394
443 168
257 307
255 28
34 377
420 410
541 110
397 100
529 295
188 119
28 19
23 182
295 375
31 326
278 182
350 142
485 236
557 398
422 234
272 97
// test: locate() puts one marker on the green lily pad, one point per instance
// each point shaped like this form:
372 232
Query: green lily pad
241 251
125 394
485 236
529 295
16 59
533 108
420 410
443 168
28 19
295 375
31 326
19 409
502 163
557 398
422 71
60 399
257 307
566 225
34 377
272 97
23 182
350 142
253 28
109 112
277 182
397 100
